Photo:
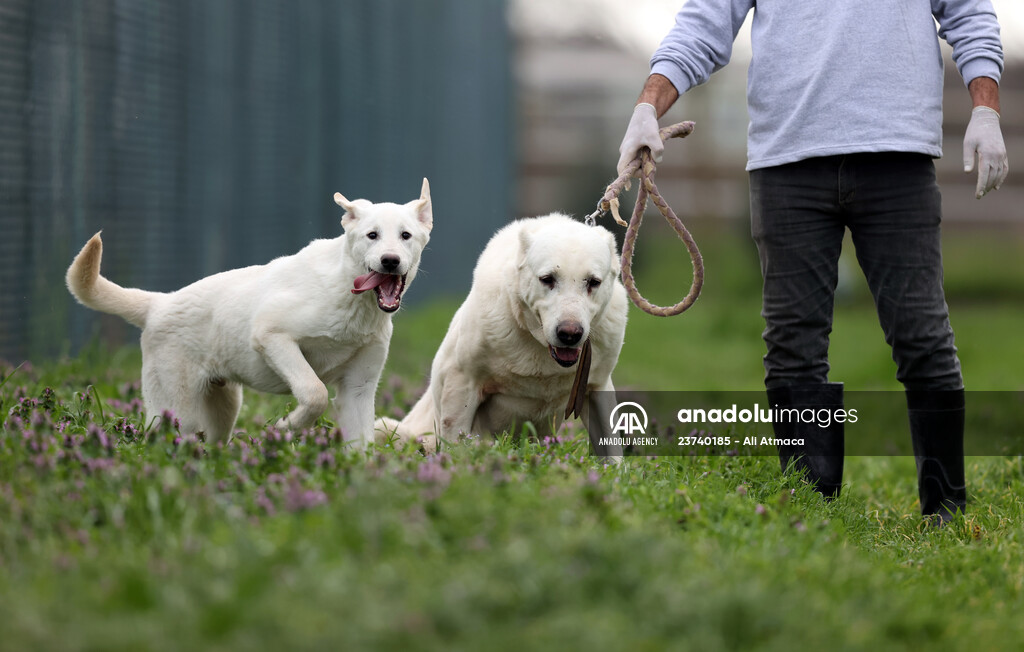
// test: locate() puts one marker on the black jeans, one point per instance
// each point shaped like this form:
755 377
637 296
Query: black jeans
891 204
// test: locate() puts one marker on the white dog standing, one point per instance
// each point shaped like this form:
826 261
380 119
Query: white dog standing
294 325
541 287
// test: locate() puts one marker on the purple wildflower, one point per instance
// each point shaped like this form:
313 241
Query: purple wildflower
433 472
326 460
99 435
263 501
298 499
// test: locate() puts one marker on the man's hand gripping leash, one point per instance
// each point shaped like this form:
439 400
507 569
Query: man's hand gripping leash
643 167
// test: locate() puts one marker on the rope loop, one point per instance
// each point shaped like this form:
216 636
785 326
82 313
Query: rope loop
643 167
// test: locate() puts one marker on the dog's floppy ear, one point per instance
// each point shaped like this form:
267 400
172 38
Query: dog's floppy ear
613 252
524 245
424 209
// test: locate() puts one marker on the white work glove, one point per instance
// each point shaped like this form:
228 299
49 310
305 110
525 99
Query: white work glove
984 139
642 131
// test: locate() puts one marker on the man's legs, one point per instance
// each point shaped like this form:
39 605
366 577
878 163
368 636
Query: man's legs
797 224
894 212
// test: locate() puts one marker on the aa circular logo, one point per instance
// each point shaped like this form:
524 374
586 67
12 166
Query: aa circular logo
628 418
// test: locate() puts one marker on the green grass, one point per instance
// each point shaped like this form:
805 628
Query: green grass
115 537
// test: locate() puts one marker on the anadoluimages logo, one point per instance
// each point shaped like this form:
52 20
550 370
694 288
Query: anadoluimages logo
628 418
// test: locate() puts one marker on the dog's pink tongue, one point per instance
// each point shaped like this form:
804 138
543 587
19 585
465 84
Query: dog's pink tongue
368 282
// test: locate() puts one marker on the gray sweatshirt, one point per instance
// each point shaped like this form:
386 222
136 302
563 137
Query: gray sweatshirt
836 76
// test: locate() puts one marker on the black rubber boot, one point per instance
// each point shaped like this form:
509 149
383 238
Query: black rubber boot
821 455
937 430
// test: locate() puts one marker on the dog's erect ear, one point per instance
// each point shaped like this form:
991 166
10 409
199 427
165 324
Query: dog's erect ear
424 209
350 209
340 200
354 209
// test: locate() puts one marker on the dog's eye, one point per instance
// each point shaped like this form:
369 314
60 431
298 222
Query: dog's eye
593 283
406 235
548 280
372 235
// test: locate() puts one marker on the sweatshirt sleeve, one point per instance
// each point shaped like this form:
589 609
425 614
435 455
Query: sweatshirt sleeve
971 28
700 42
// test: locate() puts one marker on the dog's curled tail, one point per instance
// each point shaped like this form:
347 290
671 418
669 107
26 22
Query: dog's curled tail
94 291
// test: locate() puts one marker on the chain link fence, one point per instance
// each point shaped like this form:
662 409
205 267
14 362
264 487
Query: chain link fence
203 135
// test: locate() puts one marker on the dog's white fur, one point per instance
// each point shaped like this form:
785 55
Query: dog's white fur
495 367
293 325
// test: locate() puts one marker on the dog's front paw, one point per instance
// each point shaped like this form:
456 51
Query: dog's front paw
427 443
287 424
385 431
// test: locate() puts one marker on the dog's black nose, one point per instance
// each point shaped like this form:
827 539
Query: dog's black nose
390 263
569 333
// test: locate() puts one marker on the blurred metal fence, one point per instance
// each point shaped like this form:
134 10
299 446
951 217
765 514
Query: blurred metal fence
203 135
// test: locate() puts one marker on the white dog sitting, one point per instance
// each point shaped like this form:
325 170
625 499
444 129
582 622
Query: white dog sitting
289 326
541 288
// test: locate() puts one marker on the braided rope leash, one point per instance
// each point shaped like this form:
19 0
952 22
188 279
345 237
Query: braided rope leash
643 167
